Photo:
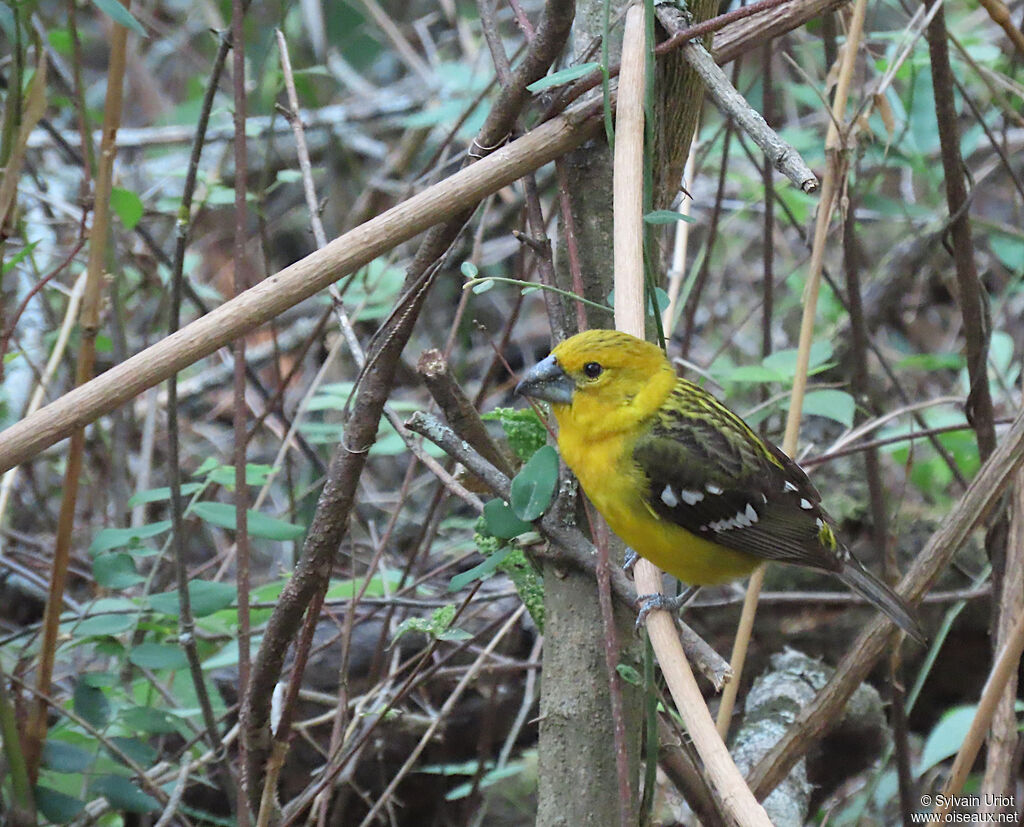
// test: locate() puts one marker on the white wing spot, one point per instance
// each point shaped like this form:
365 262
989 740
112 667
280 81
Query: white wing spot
764 499
742 519
668 496
713 489
820 523
691 497
789 486
806 504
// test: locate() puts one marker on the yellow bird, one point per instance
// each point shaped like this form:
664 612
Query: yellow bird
682 479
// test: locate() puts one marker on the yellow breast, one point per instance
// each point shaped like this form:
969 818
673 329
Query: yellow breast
616 487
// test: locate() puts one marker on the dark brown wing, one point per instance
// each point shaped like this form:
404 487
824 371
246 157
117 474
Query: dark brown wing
710 474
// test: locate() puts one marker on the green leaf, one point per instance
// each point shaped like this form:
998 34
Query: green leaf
155 495
158 656
469 270
1009 250
629 674
932 361
57 806
255 474
91 703
105 624
120 15
784 361
228 655
108 539
380 584
140 752
260 525
485 569
61 41
502 521
146 719
946 737
489 779
534 485
563 76
60 756
124 794
205 596
127 205
667 217
12 262
116 571
831 403
749 373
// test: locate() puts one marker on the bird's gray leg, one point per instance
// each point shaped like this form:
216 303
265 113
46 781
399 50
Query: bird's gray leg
647 603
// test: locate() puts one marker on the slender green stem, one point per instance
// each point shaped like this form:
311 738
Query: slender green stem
534 285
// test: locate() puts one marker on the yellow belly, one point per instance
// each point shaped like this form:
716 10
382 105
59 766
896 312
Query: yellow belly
614 485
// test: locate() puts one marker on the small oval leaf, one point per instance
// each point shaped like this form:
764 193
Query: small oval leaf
260 525
158 656
91 703
124 794
502 522
57 806
534 485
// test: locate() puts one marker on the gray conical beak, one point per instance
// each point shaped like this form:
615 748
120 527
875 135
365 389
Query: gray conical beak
546 380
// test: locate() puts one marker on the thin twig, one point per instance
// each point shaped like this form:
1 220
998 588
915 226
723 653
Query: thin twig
735 107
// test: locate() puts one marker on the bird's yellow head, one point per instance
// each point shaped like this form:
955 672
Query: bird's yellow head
600 379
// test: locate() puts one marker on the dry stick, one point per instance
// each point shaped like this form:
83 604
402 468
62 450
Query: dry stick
743 35
981 497
186 620
976 320
831 184
628 201
458 410
1001 17
976 323
736 797
240 273
677 269
1004 666
734 106
90 322
1003 736
291 285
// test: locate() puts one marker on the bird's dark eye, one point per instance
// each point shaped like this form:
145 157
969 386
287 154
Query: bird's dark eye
592 370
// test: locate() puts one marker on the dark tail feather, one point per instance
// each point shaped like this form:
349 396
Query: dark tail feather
863 582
